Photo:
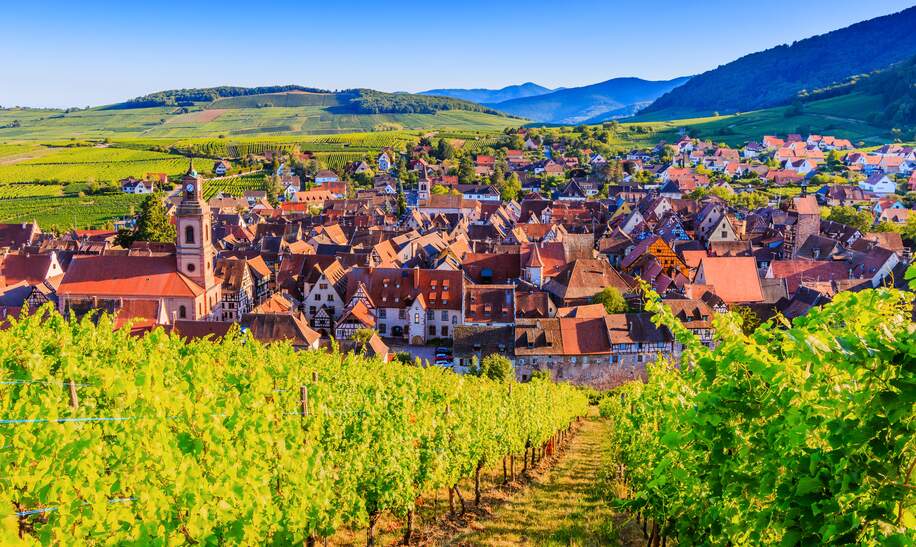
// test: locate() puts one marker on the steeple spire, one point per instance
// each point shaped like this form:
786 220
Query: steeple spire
191 172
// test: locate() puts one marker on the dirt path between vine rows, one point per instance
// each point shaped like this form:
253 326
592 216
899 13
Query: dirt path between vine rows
559 507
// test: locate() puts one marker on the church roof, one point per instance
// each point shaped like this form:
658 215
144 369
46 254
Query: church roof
127 276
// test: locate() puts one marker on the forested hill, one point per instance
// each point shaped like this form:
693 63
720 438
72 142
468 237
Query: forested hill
349 101
775 76
186 97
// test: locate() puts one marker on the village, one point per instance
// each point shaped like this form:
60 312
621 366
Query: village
539 250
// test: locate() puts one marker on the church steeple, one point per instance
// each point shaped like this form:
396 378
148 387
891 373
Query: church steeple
192 184
194 248
191 172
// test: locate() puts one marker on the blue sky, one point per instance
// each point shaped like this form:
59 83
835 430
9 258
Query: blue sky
90 53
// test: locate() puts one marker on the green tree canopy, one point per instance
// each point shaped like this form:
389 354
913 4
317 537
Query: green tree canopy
510 188
495 367
860 220
152 225
612 299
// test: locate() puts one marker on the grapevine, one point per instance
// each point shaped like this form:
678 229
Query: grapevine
799 434
112 438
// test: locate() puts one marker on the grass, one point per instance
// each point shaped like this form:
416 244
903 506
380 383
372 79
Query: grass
562 507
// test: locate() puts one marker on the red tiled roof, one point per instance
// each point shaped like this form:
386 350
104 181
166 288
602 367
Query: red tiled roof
584 336
134 276
16 267
489 303
734 278
398 288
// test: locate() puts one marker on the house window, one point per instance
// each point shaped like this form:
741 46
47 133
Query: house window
402 314
189 234
432 330
430 314
382 313
416 318
724 234
382 328
444 330
312 310
454 319
444 315
182 312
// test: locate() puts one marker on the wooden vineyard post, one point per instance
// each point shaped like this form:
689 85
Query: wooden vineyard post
74 399
304 401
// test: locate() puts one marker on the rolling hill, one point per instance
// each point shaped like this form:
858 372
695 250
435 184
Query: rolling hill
284 110
615 98
492 96
775 76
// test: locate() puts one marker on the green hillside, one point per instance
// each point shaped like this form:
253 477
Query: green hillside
169 122
775 76
239 111
288 99
846 116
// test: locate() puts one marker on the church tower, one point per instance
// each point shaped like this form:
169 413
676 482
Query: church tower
194 247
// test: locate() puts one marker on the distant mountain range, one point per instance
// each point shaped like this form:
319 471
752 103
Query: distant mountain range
492 96
615 98
776 76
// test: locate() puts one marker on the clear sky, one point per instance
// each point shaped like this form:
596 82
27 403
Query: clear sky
79 53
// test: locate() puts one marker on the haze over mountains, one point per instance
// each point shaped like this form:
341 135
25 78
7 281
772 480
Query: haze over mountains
615 98
492 96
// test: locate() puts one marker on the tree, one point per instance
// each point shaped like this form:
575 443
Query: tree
909 231
498 176
444 150
495 367
311 169
402 202
362 337
274 189
860 220
438 189
510 188
152 225
466 172
612 299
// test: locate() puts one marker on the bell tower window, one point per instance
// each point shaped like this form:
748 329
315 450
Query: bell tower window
190 267
189 234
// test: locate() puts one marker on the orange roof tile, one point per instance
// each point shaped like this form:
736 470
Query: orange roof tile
132 276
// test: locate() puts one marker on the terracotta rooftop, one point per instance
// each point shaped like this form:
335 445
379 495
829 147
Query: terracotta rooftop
136 276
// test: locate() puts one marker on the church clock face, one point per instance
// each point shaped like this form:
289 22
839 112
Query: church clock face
190 188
